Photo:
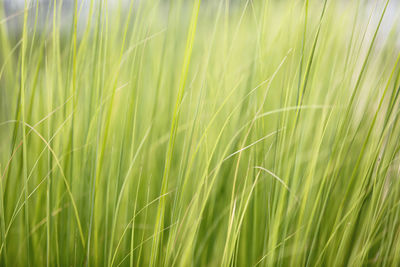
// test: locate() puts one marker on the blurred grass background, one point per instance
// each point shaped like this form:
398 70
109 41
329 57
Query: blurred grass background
212 133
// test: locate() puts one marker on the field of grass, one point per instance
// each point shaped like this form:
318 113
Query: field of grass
201 133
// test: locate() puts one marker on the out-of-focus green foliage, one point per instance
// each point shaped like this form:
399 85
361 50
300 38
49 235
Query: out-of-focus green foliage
220 133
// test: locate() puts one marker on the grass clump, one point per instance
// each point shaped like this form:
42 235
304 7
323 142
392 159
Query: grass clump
200 133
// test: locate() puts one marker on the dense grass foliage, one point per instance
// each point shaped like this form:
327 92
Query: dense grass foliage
220 133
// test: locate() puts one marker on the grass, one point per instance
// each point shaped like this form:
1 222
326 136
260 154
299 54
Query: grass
201 133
